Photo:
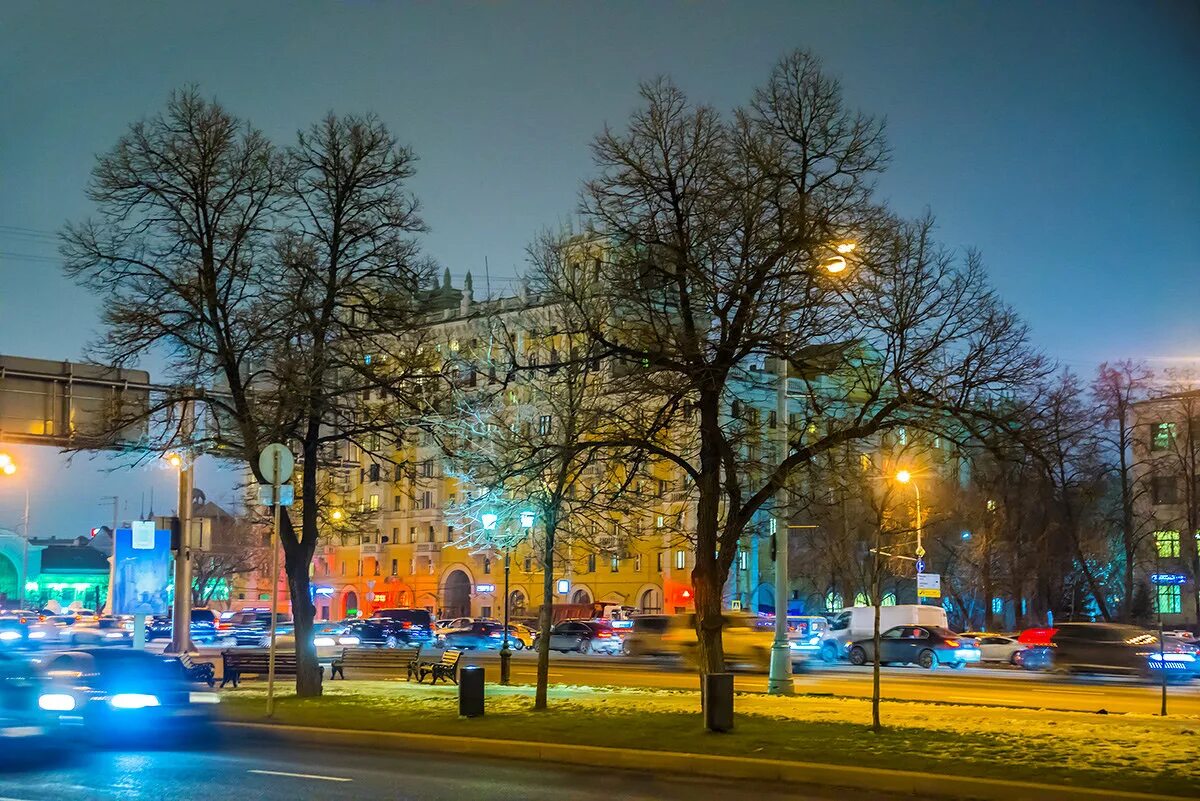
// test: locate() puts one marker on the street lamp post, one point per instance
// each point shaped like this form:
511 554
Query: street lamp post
7 468
905 477
505 653
181 625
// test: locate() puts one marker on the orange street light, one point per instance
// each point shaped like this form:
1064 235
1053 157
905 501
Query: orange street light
7 465
904 476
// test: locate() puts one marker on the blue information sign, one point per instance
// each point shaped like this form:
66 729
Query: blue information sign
141 570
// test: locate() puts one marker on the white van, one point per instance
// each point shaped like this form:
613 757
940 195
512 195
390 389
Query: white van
858 622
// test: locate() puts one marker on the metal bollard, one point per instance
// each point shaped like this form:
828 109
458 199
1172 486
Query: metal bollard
470 692
718 702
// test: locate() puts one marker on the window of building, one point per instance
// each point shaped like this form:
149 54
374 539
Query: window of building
427 499
743 560
659 521
833 601
860 599
487 568
374 503
637 563
1164 490
680 560
412 534
373 473
432 536
427 468
359 567
1168 600
662 487
658 561
395 535
343 571
889 599
375 562
399 472
412 567
1167 544
591 563
1162 436
772 419
528 564
615 565
395 567
397 503
545 424
997 606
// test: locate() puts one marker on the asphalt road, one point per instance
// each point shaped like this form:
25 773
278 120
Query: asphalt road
973 685
267 773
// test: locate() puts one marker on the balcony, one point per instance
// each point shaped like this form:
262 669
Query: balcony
369 549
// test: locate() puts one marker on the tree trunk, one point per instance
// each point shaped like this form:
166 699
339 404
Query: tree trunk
308 672
706 588
545 618
876 725
988 588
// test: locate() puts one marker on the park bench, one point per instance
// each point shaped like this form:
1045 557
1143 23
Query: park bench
446 668
256 662
204 672
389 659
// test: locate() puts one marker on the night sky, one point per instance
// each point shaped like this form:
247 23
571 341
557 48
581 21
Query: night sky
1062 139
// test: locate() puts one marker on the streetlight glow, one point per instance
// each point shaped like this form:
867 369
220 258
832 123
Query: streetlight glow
7 466
174 459
846 247
335 515
904 476
834 264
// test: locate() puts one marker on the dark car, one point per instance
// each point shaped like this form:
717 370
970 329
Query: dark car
204 626
14 631
585 636
483 635
253 626
125 696
416 625
1110 648
379 632
927 646
26 730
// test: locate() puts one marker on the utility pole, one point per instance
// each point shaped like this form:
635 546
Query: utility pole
505 653
181 624
779 681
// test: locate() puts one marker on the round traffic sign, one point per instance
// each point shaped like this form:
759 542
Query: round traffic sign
276 463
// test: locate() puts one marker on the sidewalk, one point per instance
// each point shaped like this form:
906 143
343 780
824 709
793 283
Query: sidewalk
802 737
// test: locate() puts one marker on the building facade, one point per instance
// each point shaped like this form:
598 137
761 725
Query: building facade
1166 472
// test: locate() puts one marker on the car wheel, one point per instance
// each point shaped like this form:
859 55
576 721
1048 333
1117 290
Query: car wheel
828 653
516 645
1015 660
858 656
391 641
585 645
928 660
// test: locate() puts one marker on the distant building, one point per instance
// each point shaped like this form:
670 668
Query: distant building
65 571
1166 466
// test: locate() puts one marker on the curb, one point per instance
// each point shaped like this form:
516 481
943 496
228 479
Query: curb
812 774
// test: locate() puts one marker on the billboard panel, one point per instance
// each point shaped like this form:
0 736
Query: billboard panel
141 570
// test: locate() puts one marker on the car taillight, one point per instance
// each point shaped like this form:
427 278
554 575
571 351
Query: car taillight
406 625
952 643
496 634
604 634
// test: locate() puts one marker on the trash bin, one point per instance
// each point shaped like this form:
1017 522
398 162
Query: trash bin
470 692
718 701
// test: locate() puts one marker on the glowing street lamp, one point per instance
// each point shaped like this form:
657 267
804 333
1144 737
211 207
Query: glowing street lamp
7 465
335 515
905 477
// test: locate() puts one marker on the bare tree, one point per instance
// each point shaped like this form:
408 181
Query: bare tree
722 232
1116 388
279 288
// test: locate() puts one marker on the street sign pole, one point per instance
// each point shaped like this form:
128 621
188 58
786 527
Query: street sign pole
275 462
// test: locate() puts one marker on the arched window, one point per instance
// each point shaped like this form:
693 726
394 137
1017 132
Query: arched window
833 601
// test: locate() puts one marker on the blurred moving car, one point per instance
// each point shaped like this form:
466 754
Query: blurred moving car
203 629
998 647
25 729
416 624
125 695
380 632
1114 648
251 626
858 622
585 637
805 632
746 639
14 631
488 635
927 646
645 636
104 631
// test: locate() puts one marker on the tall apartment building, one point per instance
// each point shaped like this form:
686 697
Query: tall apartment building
1166 464
409 553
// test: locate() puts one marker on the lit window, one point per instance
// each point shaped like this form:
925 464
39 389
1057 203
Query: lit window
1162 436
637 563
743 560
902 436
395 567
659 521
545 424
616 564
1167 544
374 504
680 560
1168 600
889 599
997 606
833 602
860 599
591 563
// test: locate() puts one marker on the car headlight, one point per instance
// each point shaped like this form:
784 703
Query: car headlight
133 701
349 640
9 635
323 641
56 702
114 635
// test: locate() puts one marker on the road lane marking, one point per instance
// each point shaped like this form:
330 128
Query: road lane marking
297 776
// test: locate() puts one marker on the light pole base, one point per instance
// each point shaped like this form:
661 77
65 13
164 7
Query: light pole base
780 680
505 657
